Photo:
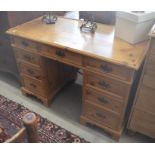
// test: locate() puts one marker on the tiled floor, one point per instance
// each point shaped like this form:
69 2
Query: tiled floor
64 111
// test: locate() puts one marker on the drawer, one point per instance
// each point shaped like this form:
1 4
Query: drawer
62 55
109 68
27 57
106 101
35 72
101 116
146 95
35 86
26 44
107 84
143 122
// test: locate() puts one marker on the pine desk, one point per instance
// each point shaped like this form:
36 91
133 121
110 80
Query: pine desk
48 55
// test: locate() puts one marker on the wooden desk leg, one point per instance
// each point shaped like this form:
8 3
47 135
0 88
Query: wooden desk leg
30 123
45 101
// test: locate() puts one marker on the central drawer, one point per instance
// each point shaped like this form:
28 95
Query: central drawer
106 101
36 86
107 84
101 116
62 55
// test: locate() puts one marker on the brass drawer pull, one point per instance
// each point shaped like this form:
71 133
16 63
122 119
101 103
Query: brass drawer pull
104 85
103 100
30 71
33 85
88 92
33 73
60 53
106 68
28 58
24 43
100 115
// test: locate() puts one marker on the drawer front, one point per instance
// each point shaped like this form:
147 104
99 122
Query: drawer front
107 84
109 68
143 122
35 72
101 116
146 99
61 55
27 57
35 86
106 101
25 44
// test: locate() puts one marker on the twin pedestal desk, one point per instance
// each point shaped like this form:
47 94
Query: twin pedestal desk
48 56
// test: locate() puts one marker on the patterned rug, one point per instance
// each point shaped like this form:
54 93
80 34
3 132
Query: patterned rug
11 114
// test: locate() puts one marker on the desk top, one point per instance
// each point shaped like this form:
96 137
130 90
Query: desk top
66 34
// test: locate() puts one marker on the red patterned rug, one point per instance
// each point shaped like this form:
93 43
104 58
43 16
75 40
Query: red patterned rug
11 114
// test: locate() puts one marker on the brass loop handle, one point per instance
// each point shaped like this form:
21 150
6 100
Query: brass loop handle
104 84
33 85
30 71
106 68
25 43
103 100
60 53
28 58
100 115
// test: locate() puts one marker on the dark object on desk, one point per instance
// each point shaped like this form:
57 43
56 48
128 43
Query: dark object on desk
88 25
49 18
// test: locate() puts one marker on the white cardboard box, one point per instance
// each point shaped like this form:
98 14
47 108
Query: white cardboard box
134 27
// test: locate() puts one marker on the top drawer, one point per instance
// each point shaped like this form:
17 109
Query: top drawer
109 68
26 44
62 55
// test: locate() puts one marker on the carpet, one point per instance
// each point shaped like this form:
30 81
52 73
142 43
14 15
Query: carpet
11 114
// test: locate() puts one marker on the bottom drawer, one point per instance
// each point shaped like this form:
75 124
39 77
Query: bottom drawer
101 116
143 122
35 86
